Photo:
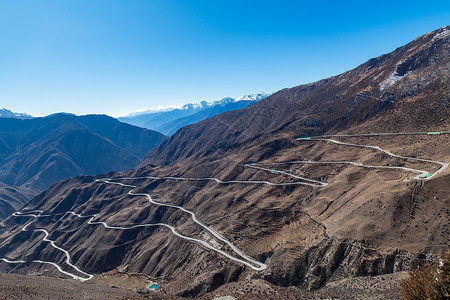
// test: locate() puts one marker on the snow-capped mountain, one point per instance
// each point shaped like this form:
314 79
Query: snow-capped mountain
253 97
5 113
198 106
169 119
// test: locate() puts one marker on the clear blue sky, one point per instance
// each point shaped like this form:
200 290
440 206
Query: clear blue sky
119 56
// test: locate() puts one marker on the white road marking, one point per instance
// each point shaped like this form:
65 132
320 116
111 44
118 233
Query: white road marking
444 165
52 243
246 260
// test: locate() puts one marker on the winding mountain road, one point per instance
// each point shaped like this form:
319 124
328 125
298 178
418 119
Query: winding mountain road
255 265
443 165
52 243
240 256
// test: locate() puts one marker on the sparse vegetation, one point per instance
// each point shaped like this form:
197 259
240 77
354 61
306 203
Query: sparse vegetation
429 281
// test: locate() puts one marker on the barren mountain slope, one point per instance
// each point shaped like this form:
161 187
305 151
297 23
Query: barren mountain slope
13 198
359 221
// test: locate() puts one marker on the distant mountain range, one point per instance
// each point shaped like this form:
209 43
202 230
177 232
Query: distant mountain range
5 113
168 121
35 153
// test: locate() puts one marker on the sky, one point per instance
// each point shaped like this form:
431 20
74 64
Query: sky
119 56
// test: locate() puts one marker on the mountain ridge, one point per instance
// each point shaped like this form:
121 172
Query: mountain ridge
171 127
5 113
37 152
168 121
278 109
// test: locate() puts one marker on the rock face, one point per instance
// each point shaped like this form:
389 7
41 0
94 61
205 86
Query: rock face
367 221
37 152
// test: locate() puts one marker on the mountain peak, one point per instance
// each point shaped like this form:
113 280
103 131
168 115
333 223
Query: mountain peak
253 97
6 113
443 32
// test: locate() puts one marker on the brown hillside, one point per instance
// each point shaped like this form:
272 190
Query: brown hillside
405 90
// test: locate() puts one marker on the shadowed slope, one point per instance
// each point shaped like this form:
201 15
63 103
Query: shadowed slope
38 152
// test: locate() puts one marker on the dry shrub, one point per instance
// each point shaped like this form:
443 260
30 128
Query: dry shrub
429 281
